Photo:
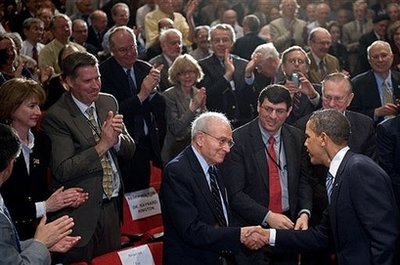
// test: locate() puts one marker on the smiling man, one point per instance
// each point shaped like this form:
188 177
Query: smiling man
267 172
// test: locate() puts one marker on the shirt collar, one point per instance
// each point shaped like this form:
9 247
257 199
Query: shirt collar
265 135
203 163
337 160
82 106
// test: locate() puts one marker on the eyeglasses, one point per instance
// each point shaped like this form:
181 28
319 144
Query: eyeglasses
189 72
382 56
125 50
221 141
294 61
334 99
270 110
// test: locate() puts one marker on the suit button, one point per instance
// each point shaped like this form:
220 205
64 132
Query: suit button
233 107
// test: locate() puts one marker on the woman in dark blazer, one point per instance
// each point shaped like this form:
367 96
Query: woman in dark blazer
183 103
26 193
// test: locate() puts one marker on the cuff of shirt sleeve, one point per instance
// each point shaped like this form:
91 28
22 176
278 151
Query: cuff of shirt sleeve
308 212
40 209
272 237
264 222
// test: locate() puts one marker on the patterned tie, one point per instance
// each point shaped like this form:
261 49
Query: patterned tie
7 213
321 67
329 186
105 162
212 171
275 189
387 93
296 102
35 54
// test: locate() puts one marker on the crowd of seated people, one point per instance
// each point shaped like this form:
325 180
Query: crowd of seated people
158 65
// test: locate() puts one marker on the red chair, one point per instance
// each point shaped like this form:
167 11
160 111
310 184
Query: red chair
155 177
142 230
112 258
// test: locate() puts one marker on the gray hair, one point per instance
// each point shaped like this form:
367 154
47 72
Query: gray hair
201 123
266 51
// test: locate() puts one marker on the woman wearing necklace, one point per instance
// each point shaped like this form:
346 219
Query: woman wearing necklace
26 193
183 103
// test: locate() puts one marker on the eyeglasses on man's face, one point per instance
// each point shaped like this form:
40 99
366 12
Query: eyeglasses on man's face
221 140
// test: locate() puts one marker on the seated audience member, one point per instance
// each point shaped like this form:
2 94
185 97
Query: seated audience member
33 31
55 86
19 107
87 135
171 46
230 17
393 11
165 10
61 28
46 15
97 28
53 236
9 66
201 35
183 103
155 48
337 49
288 30
305 95
245 46
376 90
322 63
224 78
194 203
79 35
322 11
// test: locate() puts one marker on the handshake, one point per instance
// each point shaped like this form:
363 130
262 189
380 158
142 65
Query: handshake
254 237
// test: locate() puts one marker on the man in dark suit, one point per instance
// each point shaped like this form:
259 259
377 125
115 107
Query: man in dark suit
376 91
87 134
194 202
378 32
52 236
224 78
305 95
97 28
257 195
133 83
362 218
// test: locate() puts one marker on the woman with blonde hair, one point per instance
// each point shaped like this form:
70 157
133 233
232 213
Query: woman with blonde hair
183 103
26 193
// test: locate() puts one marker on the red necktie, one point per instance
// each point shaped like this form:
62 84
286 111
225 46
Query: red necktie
275 191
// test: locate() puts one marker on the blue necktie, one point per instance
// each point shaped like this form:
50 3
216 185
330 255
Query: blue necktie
216 196
329 186
7 213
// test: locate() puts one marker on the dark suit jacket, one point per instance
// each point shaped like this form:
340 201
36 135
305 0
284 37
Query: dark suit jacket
192 235
236 104
389 151
366 93
74 160
362 218
245 172
114 81
22 190
32 251
93 38
245 45
331 66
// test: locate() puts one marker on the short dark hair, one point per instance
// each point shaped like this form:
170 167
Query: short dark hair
275 94
76 60
10 146
333 123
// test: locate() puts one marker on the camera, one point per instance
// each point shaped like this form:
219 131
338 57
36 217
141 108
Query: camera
295 79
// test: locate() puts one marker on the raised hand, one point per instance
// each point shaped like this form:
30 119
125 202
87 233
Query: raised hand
150 82
229 66
199 100
49 234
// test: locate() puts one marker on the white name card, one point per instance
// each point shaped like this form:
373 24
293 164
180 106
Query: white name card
143 203
136 256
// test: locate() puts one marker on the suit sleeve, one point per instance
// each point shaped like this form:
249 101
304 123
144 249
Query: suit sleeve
180 209
379 215
33 252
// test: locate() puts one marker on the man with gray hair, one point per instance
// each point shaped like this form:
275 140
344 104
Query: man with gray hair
171 46
376 91
288 30
224 78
